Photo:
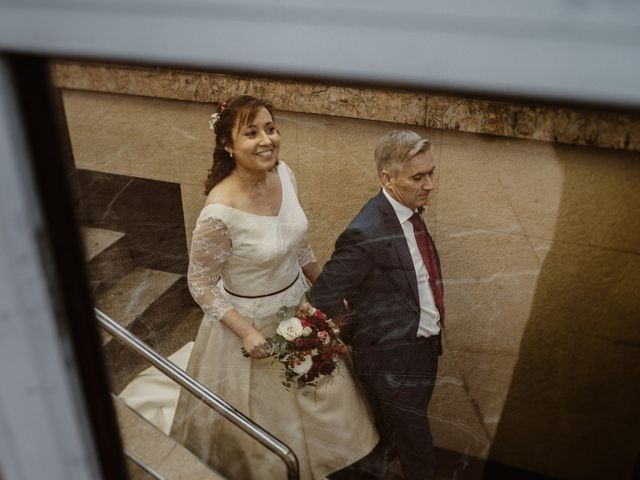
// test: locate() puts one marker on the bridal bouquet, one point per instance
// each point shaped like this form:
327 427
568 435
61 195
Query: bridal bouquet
307 344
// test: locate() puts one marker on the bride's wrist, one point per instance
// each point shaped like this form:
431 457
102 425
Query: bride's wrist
241 326
250 330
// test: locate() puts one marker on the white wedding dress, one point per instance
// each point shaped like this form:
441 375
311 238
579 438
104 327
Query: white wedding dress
328 426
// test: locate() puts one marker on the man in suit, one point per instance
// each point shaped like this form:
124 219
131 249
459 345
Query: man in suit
386 270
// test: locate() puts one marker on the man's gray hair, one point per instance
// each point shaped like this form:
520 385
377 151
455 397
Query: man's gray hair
396 147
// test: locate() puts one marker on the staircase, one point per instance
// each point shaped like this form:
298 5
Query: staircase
136 266
136 257
156 306
153 304
159 452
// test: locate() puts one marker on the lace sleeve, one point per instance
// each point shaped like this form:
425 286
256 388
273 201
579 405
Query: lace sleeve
210 247
306 255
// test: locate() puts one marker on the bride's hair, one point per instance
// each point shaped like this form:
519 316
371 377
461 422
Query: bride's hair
240 110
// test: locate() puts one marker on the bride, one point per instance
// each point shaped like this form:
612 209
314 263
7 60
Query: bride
249 258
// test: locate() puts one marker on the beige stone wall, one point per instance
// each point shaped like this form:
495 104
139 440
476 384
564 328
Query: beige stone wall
540 246
559 124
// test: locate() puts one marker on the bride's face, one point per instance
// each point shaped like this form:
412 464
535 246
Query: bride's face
256 145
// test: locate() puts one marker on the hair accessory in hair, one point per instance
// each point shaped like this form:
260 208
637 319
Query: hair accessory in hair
212 121
216 116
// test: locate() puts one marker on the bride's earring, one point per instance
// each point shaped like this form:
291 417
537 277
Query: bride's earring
230 153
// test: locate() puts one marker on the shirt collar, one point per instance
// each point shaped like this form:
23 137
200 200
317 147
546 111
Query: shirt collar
402 212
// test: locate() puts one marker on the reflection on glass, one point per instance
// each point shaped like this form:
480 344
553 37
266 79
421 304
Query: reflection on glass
540 366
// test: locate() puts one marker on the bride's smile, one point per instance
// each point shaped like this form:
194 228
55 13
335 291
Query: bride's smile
256 145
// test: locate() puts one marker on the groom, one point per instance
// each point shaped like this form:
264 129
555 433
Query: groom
386 270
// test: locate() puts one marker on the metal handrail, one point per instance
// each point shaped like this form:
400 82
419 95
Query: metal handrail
200 391
152 473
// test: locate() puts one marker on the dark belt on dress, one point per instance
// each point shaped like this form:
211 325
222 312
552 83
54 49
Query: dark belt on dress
261 296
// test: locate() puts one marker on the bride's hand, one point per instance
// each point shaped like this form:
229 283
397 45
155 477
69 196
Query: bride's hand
255 344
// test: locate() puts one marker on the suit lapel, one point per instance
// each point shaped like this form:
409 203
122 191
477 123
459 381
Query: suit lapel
398 243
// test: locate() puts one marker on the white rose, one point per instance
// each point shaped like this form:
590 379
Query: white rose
290 329
304 366
306 331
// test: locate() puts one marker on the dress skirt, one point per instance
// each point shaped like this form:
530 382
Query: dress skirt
328 426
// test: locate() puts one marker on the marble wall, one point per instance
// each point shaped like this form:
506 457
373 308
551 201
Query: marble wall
575 126
540 247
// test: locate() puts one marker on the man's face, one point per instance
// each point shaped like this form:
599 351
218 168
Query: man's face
413 183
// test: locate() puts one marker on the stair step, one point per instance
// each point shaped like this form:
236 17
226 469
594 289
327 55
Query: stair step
169 323
128 298
160 452
138 470
110 264
97 240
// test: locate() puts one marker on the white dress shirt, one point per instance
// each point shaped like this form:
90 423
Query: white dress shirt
429 315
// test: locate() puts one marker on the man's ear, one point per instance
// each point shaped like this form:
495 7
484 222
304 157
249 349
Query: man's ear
385 177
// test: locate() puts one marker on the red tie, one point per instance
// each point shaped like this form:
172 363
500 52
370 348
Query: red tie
430 258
